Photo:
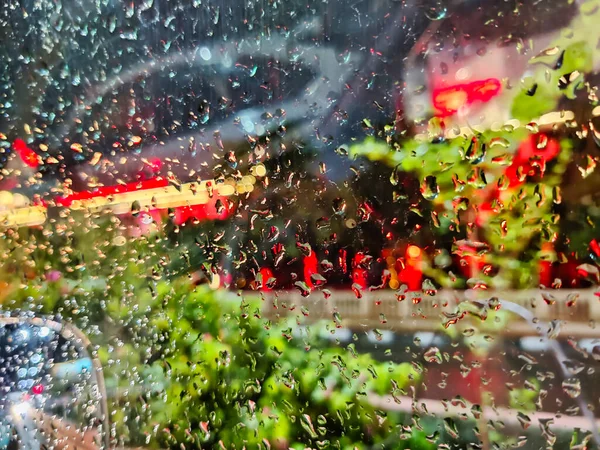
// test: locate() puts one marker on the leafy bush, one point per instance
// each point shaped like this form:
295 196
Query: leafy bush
189 366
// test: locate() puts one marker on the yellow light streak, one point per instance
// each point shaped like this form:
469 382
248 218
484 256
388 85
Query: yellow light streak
189 194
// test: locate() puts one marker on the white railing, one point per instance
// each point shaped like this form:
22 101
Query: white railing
576 310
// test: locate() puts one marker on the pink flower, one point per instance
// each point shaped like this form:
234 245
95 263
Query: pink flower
53 275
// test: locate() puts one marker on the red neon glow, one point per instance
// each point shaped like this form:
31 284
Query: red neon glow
28 156
531 158
471 263
342 260
182 214
449 100
156 165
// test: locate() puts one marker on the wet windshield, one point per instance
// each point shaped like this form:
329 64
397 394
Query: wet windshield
299 224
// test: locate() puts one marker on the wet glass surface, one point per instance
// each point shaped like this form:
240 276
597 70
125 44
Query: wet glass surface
301 224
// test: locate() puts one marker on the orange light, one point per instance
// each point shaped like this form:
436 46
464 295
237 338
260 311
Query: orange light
413 251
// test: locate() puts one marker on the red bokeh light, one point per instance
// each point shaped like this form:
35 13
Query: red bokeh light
28 156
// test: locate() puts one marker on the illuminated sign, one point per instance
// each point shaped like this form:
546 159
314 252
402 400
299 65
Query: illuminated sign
449 100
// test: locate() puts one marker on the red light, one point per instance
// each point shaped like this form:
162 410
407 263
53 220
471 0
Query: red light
412 274
595 247
449 100
203 212
37 389
310 267
155 164
531 158
538 146
359 273
28 156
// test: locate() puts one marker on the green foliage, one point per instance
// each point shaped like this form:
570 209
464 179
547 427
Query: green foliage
577 57
189 366
222 375
572 52
456 177
524 399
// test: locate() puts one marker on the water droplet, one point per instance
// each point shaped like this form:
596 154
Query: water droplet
357 289
395 176
500 142
572 387
129 9
429 188
378 335
589 8
318 279
342 151
135 208
303 288
433 355
339 206
574 367
205 54
524 420
589 168
337 318
437 11
308 426
548 57
549 299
